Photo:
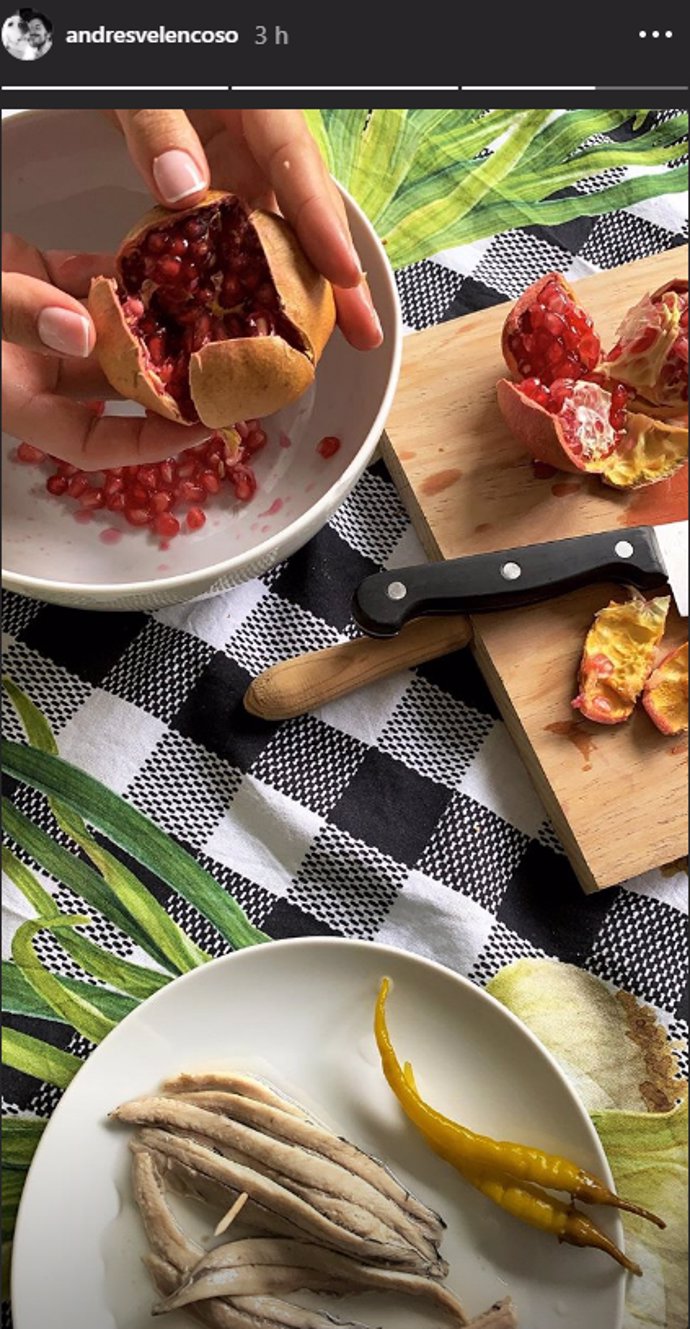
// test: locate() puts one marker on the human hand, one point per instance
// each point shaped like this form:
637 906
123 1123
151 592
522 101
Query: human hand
268 158
50 372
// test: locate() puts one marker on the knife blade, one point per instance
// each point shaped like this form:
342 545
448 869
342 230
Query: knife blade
641 556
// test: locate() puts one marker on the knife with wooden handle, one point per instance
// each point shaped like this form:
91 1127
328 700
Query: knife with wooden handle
294 687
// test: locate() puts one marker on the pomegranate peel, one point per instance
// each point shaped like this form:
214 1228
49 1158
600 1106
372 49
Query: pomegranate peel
548 334
651 350
653 450
246 377
618 658
216 314
583 428
121 355
665 696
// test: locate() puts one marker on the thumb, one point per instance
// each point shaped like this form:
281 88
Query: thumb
42 318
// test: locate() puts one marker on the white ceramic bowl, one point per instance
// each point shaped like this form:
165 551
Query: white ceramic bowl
69 184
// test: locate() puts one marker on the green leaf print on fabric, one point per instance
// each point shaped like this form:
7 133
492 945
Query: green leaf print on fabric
432 179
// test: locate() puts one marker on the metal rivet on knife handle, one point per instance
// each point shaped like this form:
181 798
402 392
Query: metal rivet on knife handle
396 590
511 571
624 549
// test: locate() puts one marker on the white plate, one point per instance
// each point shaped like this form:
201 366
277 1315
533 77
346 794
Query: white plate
300 1012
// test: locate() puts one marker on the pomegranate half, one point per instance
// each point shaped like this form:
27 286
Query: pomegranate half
577 425
651 351
665 697
547 335
618 657
216 315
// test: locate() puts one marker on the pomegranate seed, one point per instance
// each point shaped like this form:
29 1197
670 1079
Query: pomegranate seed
195 227
161 501
602 704
210 482
77 485
328 446
644 342
56 484
157 242
553 324
178 246
195 519
137 516
256 440
231 290
133 308
115 502
619 396
29 454
156 348
65 468
168 269
138 496
92 498
599 664
190 273
167 472
243 481
166 525
200 251
589 349
148 477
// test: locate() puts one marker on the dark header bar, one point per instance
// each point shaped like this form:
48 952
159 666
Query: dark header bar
289 49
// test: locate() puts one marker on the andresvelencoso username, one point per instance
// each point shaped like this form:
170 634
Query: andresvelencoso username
142 36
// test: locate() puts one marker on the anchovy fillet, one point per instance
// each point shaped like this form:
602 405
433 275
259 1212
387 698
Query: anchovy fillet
317 1139
249 1312
327 1186
308 1221
173 1254
164 1234
245 1086
272 1265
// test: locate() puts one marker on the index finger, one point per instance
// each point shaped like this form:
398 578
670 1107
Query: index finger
308 198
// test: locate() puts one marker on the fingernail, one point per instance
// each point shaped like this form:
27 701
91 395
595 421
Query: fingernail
64 331
353 252
177 175
364 295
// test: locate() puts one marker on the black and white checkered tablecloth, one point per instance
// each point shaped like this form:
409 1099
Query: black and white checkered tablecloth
400 814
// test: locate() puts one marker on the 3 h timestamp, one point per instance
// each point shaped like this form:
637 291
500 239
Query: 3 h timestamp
270 36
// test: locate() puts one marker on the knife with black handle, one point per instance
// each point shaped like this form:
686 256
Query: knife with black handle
642 557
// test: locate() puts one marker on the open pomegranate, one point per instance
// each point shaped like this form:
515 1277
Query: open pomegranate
618 657
216 315
665 697
651 351
547 335
577 425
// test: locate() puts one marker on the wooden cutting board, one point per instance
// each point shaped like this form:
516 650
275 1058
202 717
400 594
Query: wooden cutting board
617 796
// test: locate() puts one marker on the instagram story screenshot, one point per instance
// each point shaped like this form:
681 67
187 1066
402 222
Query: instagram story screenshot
344 667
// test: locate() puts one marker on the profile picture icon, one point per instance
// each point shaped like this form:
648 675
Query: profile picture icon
27 34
